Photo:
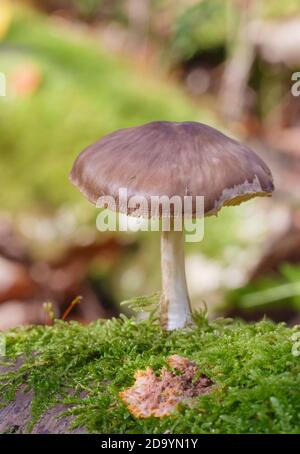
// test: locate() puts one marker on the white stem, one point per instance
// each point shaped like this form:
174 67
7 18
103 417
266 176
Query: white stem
175 302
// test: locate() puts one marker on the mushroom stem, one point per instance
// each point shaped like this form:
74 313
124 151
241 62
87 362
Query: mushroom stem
175 303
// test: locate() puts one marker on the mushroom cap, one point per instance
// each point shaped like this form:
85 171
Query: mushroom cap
167 159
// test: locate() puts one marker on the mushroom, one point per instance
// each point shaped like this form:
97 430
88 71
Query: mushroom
172 159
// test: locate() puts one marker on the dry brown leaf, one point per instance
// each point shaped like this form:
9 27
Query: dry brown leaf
159 396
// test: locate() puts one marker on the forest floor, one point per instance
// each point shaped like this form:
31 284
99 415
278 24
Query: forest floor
80 370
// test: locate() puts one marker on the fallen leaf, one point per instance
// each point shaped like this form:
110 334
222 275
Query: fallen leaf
159 396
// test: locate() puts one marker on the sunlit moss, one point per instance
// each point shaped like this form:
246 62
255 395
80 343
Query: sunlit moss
257 378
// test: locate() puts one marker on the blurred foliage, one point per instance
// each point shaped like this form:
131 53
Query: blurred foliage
201 27
90 8
281 289
84 93
191 27
209 24
85 9
65 92
278 9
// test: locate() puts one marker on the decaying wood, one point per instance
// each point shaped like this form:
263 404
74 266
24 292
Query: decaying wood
159 396
16 416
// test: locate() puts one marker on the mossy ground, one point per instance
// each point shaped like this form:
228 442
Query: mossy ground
257 378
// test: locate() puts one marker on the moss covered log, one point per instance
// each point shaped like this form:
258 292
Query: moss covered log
78 371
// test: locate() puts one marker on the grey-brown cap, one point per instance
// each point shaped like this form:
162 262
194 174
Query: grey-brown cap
166 159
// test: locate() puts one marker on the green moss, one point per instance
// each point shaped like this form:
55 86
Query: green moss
257 377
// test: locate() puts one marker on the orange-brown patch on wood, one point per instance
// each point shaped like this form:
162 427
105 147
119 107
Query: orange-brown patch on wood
159 396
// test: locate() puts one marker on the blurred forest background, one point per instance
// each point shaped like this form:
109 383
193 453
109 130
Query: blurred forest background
78 69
